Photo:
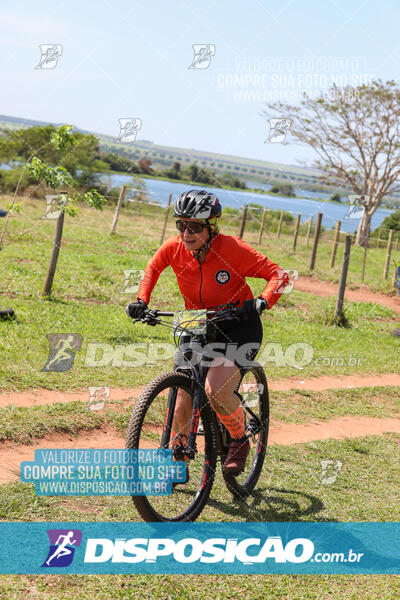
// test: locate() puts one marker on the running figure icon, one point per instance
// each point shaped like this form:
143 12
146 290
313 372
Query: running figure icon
62 549
63 347
63 543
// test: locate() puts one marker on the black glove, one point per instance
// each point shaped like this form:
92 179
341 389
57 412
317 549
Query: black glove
261 304
254 305
136 310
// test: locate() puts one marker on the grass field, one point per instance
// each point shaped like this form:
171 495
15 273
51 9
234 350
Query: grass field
27 425
289 490
88 299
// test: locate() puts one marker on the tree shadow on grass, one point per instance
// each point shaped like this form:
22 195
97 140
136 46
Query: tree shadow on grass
273 504
55 300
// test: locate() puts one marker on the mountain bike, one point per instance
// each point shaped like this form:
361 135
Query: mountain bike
207 440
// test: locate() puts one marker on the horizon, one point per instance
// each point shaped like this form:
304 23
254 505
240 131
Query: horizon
99 133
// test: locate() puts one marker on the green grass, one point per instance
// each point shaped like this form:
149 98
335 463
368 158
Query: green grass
289 490
27 425
202 587
303 406
298 318
88 299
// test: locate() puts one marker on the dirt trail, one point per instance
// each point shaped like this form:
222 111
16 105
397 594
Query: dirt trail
280 433
325 382
329 382
42 396
11 455
362 294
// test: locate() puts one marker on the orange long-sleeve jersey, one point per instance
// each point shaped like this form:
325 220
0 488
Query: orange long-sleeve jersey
220 278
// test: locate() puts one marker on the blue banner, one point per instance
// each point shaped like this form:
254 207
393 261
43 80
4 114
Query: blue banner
103 472
214 548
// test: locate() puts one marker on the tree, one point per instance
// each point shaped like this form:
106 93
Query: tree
336 197
355 134
173 173
194 172
63 139
83 163
176 169
390 222
286 189
18 145
118 163
145 164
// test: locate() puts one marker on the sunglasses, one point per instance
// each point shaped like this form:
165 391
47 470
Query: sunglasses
191 227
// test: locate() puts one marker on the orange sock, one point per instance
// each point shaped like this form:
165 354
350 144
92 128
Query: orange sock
234 423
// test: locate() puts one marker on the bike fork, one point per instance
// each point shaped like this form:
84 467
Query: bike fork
194 423
169 417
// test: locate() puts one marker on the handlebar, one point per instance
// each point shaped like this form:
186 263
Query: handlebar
225 311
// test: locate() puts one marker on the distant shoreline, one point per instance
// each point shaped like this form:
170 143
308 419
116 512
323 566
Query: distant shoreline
222 187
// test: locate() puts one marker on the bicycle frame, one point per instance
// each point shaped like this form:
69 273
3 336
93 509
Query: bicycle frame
198 376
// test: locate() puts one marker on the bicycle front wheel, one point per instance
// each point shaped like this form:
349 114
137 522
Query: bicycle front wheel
253 390
187 500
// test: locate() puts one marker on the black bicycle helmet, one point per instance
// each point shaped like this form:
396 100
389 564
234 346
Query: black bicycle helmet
197 204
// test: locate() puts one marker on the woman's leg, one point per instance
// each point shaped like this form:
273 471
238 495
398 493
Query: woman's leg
222 379
183 413
221 382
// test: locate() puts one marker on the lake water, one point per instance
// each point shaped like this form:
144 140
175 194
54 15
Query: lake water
159 190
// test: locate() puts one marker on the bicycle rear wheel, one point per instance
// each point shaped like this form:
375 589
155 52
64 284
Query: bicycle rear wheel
145 429
253 390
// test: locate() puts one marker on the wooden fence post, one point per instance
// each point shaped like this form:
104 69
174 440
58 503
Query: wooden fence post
296 231
364 260
309 230
278 233
335 243
388 253
394 280
316 240
261 226
243 221
343 278
166 219
378 244
397 243
116 214
54 256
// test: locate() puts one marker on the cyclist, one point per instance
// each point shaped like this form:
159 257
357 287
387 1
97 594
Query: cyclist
211 269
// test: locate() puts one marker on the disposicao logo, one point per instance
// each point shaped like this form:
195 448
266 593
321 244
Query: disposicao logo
62 547
190 550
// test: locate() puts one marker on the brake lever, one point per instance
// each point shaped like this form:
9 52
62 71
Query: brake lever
151 318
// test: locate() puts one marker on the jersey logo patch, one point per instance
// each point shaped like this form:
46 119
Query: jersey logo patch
222 276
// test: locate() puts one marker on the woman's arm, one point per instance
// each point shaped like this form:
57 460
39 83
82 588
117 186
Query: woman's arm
153 270
256 264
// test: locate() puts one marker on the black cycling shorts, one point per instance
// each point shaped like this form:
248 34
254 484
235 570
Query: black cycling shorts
239 341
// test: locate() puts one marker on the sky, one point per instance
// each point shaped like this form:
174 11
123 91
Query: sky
131 59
